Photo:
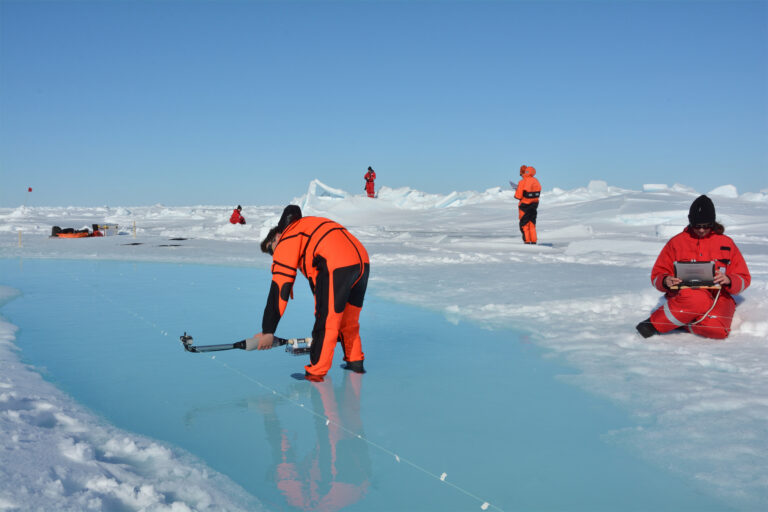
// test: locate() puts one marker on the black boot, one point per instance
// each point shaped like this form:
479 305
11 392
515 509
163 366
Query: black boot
355 366
646 328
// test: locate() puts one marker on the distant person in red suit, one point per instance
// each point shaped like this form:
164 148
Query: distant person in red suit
236 218
370 176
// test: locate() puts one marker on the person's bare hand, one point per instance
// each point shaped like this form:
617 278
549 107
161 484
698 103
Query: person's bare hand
260 341
721 279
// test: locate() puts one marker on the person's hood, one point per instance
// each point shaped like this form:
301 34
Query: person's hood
530 171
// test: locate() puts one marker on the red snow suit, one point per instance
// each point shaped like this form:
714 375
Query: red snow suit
236 218
337 267
689 305
528 191
369 186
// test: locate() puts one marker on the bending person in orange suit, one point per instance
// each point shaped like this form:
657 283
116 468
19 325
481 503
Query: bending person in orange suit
528 191
337 267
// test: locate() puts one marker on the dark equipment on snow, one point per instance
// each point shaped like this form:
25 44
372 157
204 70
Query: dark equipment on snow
646 328
294 346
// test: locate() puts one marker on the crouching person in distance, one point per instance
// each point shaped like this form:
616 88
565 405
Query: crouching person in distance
706 312
337 267
237 217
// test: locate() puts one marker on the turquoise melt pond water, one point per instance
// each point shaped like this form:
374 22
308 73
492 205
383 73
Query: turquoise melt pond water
448 417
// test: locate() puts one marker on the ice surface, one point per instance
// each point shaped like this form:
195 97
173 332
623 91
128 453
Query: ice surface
475 415
696 408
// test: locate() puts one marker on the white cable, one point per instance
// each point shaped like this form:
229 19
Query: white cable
484 505
709 310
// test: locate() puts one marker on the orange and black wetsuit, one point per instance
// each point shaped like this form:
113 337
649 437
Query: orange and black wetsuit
337 267
528 191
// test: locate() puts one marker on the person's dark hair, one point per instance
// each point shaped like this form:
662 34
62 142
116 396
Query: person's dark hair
717 228
290 214
268 240
239 207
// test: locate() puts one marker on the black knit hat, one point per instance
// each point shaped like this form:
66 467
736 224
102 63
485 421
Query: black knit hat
702 211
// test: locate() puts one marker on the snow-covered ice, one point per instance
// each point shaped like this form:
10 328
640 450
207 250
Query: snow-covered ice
578 294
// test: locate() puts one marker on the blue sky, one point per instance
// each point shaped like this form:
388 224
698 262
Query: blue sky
201 102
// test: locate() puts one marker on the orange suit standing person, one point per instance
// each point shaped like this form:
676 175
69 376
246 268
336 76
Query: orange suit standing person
528 191
337 267
370 176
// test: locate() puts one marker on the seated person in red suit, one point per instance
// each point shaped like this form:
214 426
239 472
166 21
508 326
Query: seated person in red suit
705 311
236 218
